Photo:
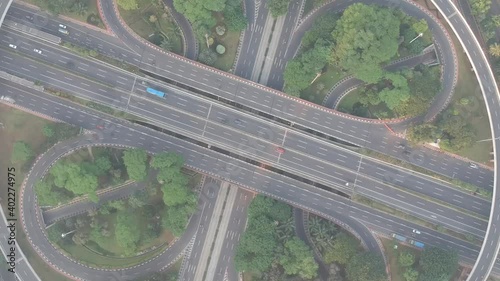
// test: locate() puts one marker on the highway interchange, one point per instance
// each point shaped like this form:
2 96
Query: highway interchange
311 113
309 198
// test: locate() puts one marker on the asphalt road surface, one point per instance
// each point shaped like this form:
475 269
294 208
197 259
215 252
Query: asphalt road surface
293 192
378 139
252 138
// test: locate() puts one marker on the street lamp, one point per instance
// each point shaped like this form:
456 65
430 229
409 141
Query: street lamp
65 234
418 36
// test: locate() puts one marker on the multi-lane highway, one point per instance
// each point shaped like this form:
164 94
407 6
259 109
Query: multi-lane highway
250 136
306 120
296 193
422 157
489 88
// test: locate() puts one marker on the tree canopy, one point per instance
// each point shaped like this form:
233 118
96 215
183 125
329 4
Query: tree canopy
300 72
437 264
365 36
298 259
343 249
278 7
199 12
21 152
126 231
366 266
135 162
71 177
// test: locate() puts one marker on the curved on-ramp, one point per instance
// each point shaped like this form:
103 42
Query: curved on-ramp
487 83
34 226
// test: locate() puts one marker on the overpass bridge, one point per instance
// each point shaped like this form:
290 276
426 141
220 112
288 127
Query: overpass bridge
4 6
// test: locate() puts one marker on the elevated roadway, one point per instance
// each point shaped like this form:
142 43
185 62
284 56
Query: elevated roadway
429 159
283 188
4 7
255 138
489 88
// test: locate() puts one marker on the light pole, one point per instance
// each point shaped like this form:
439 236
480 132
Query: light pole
65 234
418 36
488 139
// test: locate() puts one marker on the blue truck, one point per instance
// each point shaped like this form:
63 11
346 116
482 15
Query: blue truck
156 92
398 237
417 244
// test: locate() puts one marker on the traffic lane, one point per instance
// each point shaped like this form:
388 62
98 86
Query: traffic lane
170 118
227 167
426 210
78 33
248 124
189 104
425 185
210 197
322 150
65 81
491 241
197 127
290 22
60 58
113 22
251 39
235 229
219 83
431 159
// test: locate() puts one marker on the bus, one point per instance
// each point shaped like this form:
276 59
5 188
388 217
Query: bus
156 92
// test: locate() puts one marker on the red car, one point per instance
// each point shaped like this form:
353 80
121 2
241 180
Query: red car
100 127
280 150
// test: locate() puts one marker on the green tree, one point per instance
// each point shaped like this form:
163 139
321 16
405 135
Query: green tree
322 29
135 162
196 11
127 4
495 50
257 247
406 259
235 18
298 259
457 134
21 152
278 7
480 7
48 131
127 233
366 36
176 193
344 248
300 72
410 274
72 177
437 264
117 205
422 133
366 266
420 26
176 218
207 56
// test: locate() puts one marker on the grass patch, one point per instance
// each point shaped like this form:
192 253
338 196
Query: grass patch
346 103
21 126
162 27
230 40
317 91
468 87
88 14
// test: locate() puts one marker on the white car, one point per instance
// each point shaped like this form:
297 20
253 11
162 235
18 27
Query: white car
416 231
13 46
62 26
472 165
37 51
